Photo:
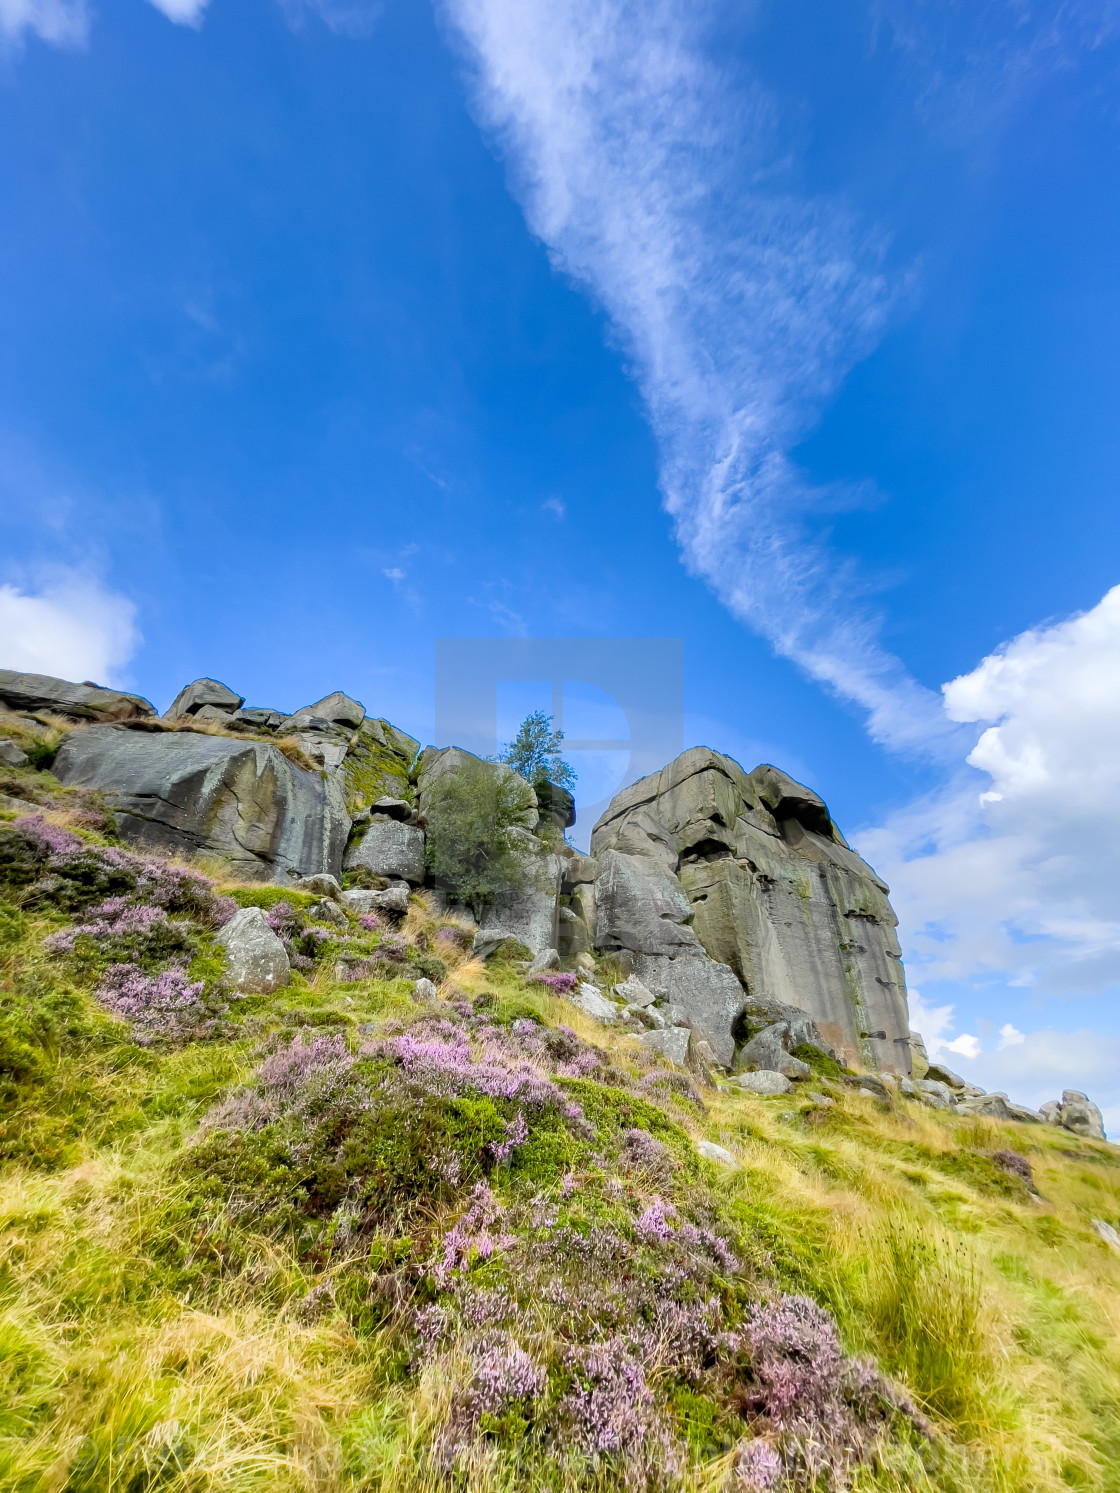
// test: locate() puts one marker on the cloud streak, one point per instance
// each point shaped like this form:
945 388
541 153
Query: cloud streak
658 182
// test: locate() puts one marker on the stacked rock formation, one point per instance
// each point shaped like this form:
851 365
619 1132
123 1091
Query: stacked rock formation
744 928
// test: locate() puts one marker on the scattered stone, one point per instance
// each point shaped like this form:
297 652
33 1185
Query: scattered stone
18 805
322 885
10 754
256 960
585 961
649 1016
822 1100
703 1050
708 992
763 1082
425 990
633 992
874 1085
549 959
258 716
194 697
1051 1112
719 1154
1107 1232
338 709
934 1093
1024 1114
329 912
590 1001
393 899
937 1073
906 1088
672 1044
990 1106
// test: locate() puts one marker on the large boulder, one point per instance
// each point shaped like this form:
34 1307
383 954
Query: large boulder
1080 1115
389 848
77 702
204 695
256 960
769 1050
775 893
183 792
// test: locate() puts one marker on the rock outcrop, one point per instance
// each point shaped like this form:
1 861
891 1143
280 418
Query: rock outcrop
256 960
750 871
75 702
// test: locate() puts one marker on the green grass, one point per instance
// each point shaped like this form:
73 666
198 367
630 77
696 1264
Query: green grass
175 1314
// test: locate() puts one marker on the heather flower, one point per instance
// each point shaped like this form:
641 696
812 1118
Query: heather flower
560 983
653 1227
503 1374
610 1407
283 918
797 1359
369 921
516 1134
168 1004
757 1467
52 837
472 1234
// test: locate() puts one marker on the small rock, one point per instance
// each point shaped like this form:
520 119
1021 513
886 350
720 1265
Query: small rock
549 959
906 1088
256 960
763 1082
193 698
821 1099
10 754
937 1095
1051 1112
393 899
939 1074
634 993
1025 1115
874 1084
585 961
704 1051
1107 1232
424 990
711 1152
395 808
989 1106
329 912
672 1044
649 1016
321 885
259 716
589 1000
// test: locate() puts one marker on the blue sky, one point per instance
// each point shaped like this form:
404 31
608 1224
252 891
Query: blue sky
791 330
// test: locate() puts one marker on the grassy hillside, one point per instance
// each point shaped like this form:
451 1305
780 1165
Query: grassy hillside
333 1238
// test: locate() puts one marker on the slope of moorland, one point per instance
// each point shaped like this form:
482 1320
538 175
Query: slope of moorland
335 1237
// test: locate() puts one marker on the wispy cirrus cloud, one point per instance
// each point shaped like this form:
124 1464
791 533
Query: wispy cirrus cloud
658 181
64 23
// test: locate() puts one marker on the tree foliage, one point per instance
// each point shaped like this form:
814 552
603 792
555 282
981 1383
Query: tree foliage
535 752
471 848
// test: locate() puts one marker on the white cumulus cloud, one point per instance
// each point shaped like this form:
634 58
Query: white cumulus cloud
73 628
1014 869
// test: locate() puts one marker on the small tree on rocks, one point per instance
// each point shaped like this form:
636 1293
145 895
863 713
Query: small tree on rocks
535 752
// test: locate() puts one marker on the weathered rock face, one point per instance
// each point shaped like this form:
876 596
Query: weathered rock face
206 697
774 894
182 793
77 702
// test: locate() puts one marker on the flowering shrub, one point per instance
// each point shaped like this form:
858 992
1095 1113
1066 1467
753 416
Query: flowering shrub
610 1408
122 929
166 1005
561 983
